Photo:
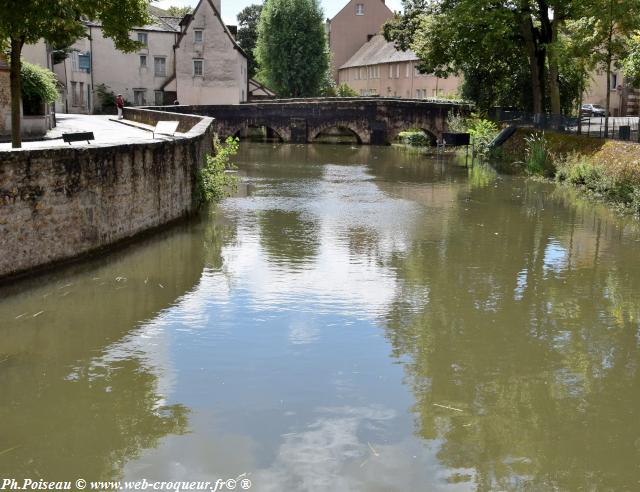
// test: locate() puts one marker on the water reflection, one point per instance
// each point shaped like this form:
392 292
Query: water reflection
83 388
355 319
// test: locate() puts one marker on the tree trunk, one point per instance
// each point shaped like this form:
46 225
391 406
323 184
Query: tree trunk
537 58
554 70
16 93
580 100
609 63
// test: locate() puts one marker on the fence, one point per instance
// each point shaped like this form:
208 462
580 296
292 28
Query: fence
619 127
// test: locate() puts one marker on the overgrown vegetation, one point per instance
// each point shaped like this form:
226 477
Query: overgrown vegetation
215 179
616 182
39 86
604 169
415 138
482 131
538 160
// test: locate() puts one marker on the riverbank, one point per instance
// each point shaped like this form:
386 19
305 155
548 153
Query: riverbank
607 170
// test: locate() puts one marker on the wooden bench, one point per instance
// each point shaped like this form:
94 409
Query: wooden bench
78 137
166 128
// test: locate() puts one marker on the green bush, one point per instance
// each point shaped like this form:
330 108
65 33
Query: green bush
39 86
214 179
415 138
482 131
343 90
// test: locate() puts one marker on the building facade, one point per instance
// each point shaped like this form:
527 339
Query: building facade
625 99
211 68
193 60
379 69
352 27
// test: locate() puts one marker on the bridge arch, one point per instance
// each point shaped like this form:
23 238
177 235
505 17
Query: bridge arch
271 130
394 134
362 137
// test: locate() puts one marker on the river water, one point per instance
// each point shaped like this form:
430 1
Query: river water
354 319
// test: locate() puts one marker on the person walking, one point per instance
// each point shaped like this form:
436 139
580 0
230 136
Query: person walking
120 105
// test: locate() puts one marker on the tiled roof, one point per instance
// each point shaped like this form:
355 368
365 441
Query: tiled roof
161 21
378 51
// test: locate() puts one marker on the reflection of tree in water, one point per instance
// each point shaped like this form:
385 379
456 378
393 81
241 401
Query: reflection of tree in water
104 416
75 400
289 236
535 339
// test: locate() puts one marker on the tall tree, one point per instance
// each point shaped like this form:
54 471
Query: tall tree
248 20
179 11
292 48
60 22
479 36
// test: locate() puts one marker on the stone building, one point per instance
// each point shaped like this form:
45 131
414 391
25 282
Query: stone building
352 27
194 60
211 68
379 69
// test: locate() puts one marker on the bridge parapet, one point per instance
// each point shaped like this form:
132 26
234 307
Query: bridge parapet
375 121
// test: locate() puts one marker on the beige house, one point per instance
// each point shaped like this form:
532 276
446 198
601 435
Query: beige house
625 99
352 27
379 69
211 68
194 60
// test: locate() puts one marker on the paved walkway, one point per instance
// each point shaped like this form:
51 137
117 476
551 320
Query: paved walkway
105 131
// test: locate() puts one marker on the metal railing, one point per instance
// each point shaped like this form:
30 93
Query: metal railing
619 127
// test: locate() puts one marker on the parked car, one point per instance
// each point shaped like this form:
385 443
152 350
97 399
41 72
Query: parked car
593 110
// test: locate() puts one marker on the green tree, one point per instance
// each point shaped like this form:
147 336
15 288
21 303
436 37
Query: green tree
248 20
498 45
179 11
631 63
292 48
59 22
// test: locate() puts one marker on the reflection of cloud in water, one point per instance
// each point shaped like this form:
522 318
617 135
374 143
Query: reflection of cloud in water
555 258
303 332
331 453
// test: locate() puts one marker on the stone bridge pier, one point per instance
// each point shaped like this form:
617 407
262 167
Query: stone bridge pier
374 121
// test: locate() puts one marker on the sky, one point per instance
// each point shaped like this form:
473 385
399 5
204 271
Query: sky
230 8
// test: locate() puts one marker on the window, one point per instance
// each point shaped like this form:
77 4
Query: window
84 62
197 35
74 93
143 61
75 66
198 68
143 38
360 9
160 66
140 97
408 71
81 93
159 98
614 81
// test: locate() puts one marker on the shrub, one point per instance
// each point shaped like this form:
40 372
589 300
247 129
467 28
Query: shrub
415 138
214 179
343 90
482 134
39 86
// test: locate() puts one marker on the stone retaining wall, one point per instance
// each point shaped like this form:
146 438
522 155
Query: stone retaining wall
60 203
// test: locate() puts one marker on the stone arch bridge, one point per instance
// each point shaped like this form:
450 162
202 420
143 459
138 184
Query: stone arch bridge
375 121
